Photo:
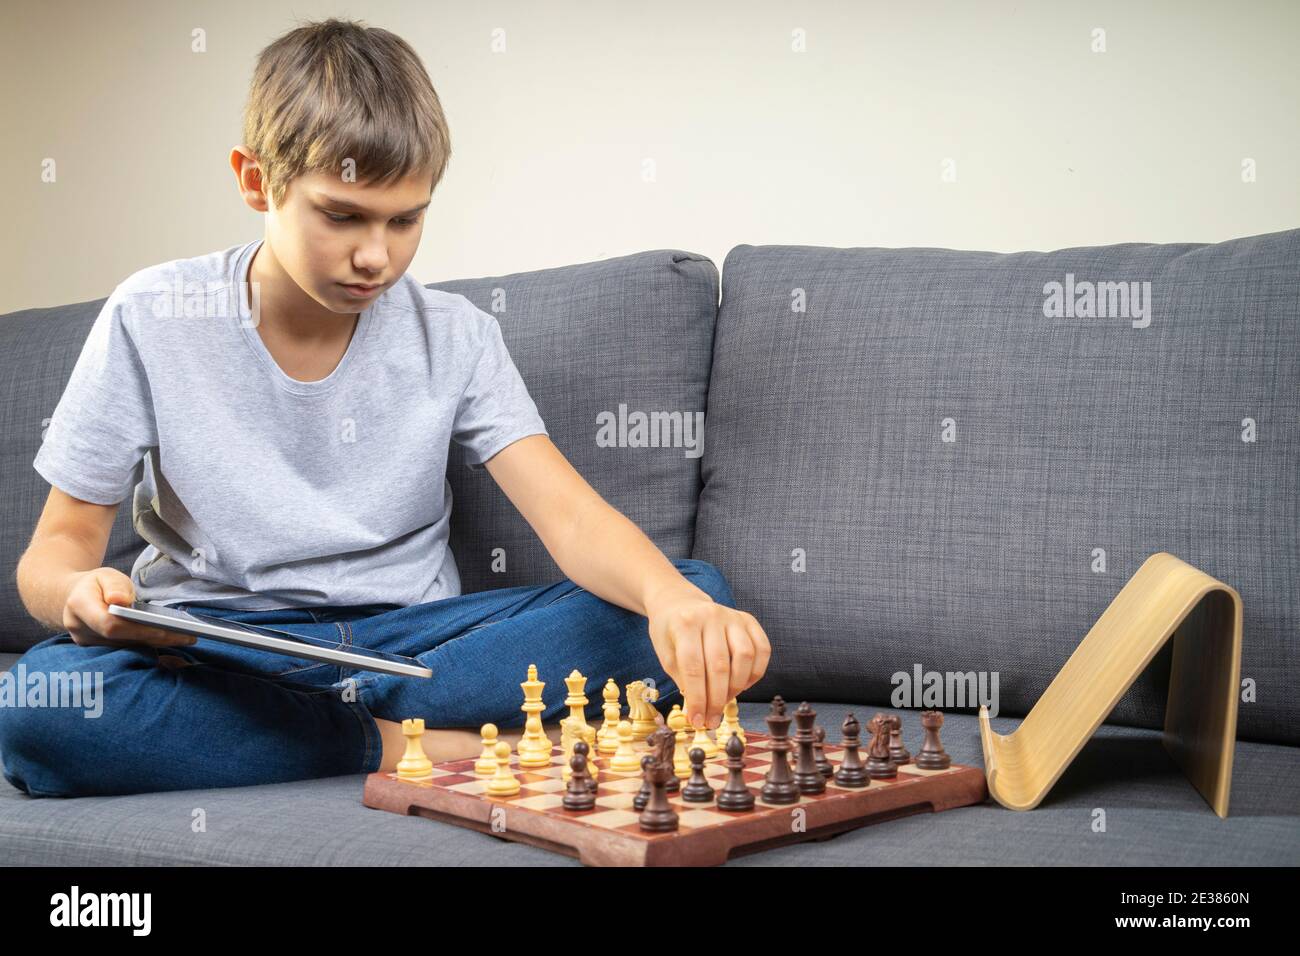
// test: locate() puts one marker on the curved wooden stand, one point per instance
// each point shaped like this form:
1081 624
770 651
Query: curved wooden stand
1167 596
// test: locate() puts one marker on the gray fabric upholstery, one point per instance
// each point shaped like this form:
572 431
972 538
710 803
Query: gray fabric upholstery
635 330
38 348
824 434
1153 817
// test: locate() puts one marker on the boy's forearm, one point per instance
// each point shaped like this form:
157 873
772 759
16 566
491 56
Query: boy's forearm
611 557
46 574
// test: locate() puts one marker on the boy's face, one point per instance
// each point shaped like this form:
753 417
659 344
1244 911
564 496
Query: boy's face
330 234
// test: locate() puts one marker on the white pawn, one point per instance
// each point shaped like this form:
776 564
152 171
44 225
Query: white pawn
503 782
486 764
704 743
626 759
607 736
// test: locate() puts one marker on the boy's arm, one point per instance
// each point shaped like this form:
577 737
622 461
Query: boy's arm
70 538
713 652
62 585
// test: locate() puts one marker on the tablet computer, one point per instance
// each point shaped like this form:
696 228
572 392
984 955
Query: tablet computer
269 639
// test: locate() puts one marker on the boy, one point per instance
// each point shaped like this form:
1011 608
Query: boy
293 477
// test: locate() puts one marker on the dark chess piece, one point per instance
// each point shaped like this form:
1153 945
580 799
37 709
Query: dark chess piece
735 795
659 815
879 766
697 789
643 795
578 796
852 773
932 755
819 743
778 785
581 748
807 775
897 752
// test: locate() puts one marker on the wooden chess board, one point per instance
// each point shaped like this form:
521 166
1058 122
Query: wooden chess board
609 834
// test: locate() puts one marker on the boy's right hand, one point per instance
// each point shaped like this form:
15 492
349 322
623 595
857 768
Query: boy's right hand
86 617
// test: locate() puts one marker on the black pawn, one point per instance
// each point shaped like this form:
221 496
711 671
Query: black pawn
643 795
581 748
852 773
819 743
897 751
735 795
579 795
697 789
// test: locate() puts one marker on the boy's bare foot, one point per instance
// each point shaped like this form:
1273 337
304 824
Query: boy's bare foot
446 743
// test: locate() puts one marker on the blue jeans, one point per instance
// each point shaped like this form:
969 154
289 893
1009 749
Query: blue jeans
231 716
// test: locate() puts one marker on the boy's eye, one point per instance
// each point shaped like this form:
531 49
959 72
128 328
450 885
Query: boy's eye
334 217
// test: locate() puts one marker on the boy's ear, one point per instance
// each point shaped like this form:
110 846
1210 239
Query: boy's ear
248 176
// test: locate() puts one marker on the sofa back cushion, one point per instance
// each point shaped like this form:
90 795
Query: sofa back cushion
952 461
38 348
616 356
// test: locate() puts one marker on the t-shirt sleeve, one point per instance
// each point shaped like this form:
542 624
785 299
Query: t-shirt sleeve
495 409
104 422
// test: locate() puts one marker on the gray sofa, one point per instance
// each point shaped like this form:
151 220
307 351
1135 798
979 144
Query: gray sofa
913 458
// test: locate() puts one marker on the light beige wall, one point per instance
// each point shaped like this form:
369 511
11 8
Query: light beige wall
751 141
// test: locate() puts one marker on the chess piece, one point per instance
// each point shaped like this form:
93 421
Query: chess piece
807 776
730 725
851 773
897 752
503 782
578 796
932 755
607 736
414 765
486 765
697 789
819 750
643 795
778 784
644 718
735 795
575 726
677 724
625 759
879 766
534 747
704 743
589 767
659 815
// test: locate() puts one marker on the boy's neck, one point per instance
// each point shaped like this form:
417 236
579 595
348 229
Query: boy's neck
288 312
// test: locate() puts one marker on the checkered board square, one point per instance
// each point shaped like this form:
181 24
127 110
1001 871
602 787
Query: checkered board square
610 834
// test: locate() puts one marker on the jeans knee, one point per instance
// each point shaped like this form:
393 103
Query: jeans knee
707 578
53 724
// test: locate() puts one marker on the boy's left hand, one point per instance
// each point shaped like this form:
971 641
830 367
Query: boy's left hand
713 652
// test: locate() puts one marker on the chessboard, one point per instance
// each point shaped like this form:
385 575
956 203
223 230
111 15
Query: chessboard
609 833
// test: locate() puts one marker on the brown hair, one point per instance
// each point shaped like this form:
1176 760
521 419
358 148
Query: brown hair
337 90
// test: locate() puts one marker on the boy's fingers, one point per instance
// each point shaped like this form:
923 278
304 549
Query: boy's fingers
690 666
717 669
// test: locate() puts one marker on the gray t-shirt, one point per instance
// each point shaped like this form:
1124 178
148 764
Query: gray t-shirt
258 491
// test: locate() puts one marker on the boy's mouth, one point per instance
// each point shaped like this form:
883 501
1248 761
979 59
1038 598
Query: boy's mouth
361 291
